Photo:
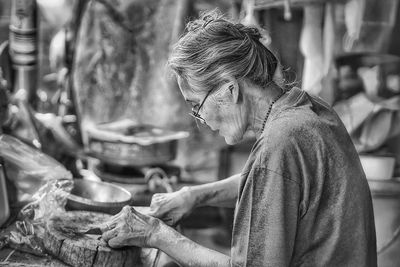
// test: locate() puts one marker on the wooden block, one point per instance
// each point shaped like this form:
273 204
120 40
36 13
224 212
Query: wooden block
63 242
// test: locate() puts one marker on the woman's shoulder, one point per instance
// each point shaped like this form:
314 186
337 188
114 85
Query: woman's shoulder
293 135
291 127
307 119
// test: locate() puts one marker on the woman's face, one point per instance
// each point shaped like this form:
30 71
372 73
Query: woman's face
219 110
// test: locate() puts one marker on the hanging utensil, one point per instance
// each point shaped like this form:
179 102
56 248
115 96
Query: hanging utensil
250 18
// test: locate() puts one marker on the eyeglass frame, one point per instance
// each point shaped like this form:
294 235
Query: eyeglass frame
195 114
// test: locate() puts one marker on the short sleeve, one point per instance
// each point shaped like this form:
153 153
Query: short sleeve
266 220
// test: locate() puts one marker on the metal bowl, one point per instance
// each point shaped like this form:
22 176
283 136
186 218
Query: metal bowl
97 196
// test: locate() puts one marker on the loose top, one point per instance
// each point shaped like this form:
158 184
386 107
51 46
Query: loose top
303 198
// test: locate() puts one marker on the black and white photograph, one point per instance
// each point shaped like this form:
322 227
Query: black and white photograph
200 133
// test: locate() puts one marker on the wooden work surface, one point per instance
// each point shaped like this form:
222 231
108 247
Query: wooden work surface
64 242
11 257
68 249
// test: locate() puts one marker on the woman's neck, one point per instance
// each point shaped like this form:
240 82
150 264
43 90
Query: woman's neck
259 101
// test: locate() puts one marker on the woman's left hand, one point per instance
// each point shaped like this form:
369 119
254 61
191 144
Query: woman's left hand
130 228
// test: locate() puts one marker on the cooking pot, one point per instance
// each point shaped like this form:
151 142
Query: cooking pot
125 143
97 196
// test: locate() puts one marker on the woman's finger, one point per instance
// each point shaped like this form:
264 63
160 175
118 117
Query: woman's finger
117 242
136 212
110 234
112 222
109 225
169 220
143 210
158 196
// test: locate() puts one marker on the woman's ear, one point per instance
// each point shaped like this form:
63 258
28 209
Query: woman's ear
234 88
231 87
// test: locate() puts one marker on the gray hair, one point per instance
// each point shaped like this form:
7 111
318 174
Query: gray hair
214 48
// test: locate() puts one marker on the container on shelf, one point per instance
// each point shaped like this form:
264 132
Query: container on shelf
378 167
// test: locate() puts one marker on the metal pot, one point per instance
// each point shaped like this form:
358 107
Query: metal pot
127 144
126 154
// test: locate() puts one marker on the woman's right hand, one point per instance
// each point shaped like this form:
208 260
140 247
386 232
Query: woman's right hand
172 207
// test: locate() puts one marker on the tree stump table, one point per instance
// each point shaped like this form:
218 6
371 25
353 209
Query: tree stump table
63 240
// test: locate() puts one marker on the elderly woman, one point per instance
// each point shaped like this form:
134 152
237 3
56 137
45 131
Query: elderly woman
302 198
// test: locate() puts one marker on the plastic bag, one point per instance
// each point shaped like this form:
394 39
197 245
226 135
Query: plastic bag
28 168
27 233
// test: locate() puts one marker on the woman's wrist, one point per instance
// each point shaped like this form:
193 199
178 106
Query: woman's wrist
156 234
189 196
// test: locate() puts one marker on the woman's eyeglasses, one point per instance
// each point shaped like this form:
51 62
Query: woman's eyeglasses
195 112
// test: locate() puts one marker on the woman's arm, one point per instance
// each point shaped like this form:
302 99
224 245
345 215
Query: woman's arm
222 193
186 252
132 228
171 207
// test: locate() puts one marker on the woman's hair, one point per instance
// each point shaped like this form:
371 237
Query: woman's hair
214 48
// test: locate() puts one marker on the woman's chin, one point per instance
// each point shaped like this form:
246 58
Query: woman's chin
230 140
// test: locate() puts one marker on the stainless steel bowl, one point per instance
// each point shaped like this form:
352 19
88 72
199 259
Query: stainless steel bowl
97 196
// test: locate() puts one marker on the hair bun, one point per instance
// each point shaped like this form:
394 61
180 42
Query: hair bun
205 19
254 33
208 18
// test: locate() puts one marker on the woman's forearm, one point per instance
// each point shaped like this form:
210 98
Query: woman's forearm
186 252
222 193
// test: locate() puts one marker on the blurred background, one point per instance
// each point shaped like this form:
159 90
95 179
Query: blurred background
84 82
